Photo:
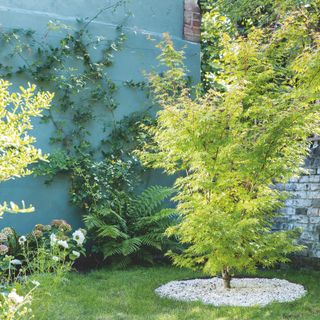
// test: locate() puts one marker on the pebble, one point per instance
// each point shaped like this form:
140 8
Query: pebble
245 292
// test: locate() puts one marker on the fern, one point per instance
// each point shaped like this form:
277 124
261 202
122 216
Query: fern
130 246
110 231
132 230
150 199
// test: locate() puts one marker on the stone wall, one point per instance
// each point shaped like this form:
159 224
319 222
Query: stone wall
302 209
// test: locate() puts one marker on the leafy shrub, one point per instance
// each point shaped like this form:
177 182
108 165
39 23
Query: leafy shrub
119 225
17 149
96 183
130 228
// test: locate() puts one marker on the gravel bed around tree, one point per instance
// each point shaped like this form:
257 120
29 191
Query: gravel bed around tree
244 292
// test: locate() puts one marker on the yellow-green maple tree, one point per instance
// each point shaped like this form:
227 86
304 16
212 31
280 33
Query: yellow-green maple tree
234 144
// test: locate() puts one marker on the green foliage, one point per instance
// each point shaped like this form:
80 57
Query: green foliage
104 173
130 228
17 149
59 162
239 17
234 144
124 228
76 69
214 25
244 15
95 183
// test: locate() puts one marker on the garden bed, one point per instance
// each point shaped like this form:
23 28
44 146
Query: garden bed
245 292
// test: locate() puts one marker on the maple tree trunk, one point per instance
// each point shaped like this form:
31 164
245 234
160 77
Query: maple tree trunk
226 276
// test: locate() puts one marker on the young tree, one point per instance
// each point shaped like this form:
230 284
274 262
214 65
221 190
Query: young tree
16 145
235 144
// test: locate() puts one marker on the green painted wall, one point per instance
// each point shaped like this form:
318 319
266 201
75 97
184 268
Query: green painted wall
149 17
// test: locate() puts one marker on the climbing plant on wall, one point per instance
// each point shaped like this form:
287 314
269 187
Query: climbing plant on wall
92 147
76 69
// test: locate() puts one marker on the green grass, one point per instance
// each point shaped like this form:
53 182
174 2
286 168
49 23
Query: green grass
119 295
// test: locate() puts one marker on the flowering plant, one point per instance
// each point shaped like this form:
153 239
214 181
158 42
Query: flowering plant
52 248
16 307
9 249
48 248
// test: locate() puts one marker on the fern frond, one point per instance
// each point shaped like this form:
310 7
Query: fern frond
150 199
92 221
166 215
111 231
152 240
111 249
130 246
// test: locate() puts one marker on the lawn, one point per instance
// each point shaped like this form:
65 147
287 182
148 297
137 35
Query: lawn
119 295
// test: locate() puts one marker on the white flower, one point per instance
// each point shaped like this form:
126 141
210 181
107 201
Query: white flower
22 240
79 237
53 239
63 243
14 297
76 253
55 258
16 262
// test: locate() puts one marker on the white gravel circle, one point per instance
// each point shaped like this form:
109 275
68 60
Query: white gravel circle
245 292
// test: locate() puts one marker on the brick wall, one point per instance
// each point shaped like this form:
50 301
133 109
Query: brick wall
192 21
302 209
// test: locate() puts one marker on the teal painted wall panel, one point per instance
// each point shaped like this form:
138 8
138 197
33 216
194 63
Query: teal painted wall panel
149 17
155 16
